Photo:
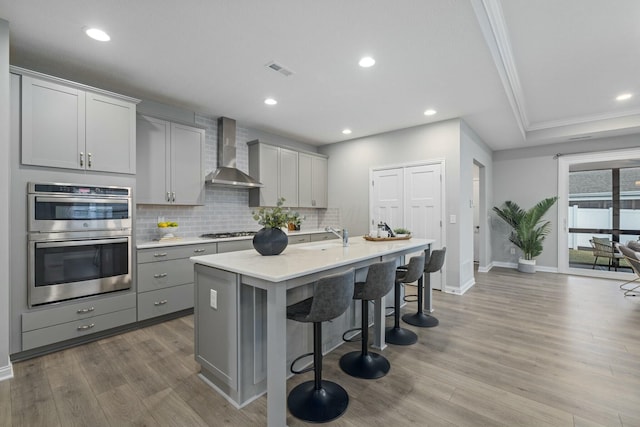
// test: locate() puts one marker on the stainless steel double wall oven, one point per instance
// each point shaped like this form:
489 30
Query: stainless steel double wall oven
79 241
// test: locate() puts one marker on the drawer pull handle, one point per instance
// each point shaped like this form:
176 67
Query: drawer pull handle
163 302
161 254
86 310
198 250
159 276
85 327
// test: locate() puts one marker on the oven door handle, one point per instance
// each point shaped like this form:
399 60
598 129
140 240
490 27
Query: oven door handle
101 201
87 242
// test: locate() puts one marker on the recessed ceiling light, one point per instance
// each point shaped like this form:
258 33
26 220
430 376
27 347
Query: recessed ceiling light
97 34
270 101
430 112
623 97
347 131
367 62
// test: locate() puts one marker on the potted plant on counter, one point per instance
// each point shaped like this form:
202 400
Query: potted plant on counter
270 239
528 229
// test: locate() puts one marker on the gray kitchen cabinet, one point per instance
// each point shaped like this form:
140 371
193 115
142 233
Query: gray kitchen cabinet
67 125
235 245
318 237
299 238
169 162
48 325
165 278
312 181
277 169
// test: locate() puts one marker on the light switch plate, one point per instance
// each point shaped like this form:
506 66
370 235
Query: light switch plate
452 219
213 299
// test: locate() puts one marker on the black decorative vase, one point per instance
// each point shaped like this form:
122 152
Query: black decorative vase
270 241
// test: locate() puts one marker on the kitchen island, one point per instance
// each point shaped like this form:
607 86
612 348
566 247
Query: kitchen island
237 291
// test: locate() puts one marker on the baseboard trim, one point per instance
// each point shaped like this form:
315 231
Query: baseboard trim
485 269
514 266
461 290
6 372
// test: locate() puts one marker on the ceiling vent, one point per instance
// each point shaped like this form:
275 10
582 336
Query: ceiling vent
279 68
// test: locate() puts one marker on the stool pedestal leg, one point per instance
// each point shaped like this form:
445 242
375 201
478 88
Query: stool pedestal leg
363 364
318 401
419 318
397 335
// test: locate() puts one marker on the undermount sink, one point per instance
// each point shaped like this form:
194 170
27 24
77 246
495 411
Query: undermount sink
321 246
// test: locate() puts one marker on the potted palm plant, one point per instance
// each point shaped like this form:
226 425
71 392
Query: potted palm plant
528 229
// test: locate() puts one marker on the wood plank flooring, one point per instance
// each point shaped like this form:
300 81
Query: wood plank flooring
516 350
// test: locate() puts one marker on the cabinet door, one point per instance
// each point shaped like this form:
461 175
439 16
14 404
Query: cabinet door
319 182
305 196
152 160
187 175
288 176
268 166
111 133
53 126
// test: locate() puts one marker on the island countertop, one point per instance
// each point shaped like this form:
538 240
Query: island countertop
307 258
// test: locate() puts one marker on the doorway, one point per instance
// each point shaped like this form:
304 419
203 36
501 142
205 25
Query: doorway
600 196
410 196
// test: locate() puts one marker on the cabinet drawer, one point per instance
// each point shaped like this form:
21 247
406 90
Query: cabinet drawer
235 245
317 237
299 238
158 275
175 252
77 311
165 301
79 328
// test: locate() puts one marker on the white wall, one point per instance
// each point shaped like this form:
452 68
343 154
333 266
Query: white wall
351 161
5 185
529 175
474 151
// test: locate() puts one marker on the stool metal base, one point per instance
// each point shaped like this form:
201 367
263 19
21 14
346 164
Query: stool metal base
368 366
318 406
400 336
421 320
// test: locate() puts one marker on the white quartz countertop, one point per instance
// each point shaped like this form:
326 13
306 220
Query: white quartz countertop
306 258
201 240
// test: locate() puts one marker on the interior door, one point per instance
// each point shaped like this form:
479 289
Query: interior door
410 197
387 201
423 207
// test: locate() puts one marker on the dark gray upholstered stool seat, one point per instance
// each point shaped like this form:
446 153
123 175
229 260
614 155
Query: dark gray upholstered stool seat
432 264
320 401
397 335
364 364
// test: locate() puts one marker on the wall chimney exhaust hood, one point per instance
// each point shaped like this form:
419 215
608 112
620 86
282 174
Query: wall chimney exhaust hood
227 175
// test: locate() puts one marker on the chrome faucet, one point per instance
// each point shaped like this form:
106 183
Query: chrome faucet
344 236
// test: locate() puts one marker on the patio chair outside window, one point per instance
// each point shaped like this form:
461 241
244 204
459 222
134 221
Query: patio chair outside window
603 247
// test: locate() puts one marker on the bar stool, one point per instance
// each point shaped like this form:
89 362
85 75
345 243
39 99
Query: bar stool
433 263
363 364
320 401
396 334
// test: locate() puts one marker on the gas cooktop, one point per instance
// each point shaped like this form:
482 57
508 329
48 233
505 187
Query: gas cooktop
228 234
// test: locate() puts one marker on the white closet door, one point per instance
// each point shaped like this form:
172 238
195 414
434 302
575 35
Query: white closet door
423 209
387 203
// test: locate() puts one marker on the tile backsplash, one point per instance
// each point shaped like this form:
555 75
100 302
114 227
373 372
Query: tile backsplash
224 209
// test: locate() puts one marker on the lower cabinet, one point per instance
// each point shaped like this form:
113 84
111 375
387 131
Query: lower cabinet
165 278
55 324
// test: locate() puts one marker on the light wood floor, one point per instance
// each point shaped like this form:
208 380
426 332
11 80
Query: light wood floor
516 350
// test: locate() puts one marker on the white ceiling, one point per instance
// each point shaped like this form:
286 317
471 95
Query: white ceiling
519 72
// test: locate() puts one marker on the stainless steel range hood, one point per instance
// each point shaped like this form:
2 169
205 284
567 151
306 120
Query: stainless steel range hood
227 175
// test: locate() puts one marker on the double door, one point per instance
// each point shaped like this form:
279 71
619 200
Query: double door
169 162
410 197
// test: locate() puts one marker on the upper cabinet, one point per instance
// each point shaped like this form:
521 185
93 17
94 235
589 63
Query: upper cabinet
67 125
277 169
312 181
169 162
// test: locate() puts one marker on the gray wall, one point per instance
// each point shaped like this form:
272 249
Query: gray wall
351 161
5 185
529 175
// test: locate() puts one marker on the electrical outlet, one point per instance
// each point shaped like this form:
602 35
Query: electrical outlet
213 299
513 251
